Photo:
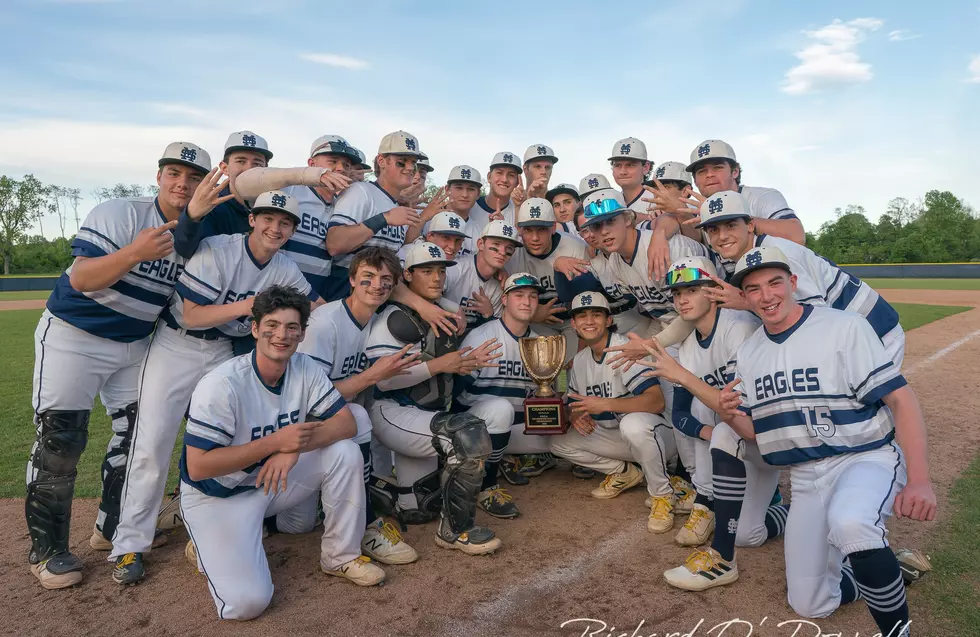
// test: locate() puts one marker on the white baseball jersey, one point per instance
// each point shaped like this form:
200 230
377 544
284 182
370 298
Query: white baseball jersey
591 377
308 245
127 310
361 201
543 267
507 378
637 205
335 339
462 280
480 214
223 271
568 227
767 203
472 230
232 406
815 390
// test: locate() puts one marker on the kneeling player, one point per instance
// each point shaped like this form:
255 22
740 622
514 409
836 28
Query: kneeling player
266 432
616 416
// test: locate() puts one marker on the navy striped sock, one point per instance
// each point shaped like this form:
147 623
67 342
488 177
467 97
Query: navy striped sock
498 442
729 491
366 454
879 580
776 520
705 501
848 587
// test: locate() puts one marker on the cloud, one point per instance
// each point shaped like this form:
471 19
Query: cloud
339 61
973 68
901 35
831 57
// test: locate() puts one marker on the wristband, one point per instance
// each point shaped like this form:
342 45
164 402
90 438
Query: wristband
376 223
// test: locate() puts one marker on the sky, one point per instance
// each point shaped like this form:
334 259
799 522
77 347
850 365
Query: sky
833 103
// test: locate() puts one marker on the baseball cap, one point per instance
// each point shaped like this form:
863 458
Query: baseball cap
629 148
672 171
247 140
522 280
535 213
588 301
278 201
498 229
539 151
506 159
710 149
399 143
425 253
466 174
424 162
592 182
723 206
448 223
361 159
562 189
759 259
602 204
187 154
690 271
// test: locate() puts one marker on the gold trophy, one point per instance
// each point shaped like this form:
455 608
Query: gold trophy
543 358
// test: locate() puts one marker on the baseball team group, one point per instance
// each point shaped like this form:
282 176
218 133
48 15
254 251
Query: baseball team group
347 353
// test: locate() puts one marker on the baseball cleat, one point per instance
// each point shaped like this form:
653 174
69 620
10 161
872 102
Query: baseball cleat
169 516
191 554
498 503
510 469
359 570
684 494
702 570
477 541
661 517
582 473
698 528
533 466
913 563
98 542
129 569
616 483
59 571
383 543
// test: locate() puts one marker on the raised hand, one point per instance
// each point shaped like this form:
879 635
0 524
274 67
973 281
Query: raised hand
518 195
730 400
480 357
394 364
726 294
497 215
480 302
628 353
412 195
546 313
403 216
153 243
334 182
662 364
658 256
207 196
571 267
439 202
538 187
441 321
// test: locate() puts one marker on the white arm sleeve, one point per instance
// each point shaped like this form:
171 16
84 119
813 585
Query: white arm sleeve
255 181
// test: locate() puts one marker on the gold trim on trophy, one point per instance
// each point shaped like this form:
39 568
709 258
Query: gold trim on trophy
543 357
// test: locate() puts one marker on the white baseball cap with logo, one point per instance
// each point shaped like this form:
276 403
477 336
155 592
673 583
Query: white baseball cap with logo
466 174
498 229
689 271
187 154
400 143
723 206
535 213
629 148
522 280
361 159
247 140
589 301
424 164
506 159
562 189
447 222
332 145
672 171
540 151
601 205
710 149
424 253
592 182
759 259
277 201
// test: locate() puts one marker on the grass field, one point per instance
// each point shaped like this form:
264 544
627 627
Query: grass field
925 284
914 315
28 295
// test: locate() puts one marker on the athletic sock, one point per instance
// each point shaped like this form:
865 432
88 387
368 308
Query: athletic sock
729 491
705 501
366 454
776 516
879 580
681 471
498 442
848 587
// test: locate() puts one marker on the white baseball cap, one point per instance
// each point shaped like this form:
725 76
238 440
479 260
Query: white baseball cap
466 174
535 213
690 271
505 158
361 159
498 229
187 154
425 253
588 301
278 201
758 259
247 140
522 280
629 148
723 206
592 182
540 151
424 162
447 222
672 171
399 143
562 189
602 204
710 149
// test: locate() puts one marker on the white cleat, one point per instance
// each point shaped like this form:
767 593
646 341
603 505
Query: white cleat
359 570
698 528
382 542
702 570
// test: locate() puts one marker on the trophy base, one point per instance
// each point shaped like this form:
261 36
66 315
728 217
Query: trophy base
545 416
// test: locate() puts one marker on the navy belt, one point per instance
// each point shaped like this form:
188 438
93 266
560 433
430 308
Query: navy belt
204 335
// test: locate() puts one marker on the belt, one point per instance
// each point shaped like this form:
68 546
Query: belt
204 335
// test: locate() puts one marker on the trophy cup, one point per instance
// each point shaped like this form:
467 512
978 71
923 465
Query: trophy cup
544 412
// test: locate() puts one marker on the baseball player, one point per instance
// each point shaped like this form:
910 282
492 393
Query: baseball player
590 183
566 203
463 189
448 231
616 417
214 297
91 340
367 214
672 177
819 394
359 168
475 283
503 178
266 432
497 391
410 413
630 167
539 163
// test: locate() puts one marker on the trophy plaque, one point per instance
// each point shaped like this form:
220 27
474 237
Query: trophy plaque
544 411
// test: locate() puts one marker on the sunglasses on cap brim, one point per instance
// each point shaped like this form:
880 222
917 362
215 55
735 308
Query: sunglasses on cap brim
602 208
687 276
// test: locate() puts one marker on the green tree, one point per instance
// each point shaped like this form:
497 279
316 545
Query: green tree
21 206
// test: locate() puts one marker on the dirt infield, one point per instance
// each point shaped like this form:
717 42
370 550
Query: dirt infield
27 304
568 557
931 297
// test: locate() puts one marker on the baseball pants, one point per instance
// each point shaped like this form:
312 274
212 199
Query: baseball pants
227 532
174 364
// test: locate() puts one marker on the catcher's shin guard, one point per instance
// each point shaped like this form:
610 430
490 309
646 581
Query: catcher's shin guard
114 469
463 474
61 439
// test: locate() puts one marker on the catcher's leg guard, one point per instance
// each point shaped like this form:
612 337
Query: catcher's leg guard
114 469
61 440
463 474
